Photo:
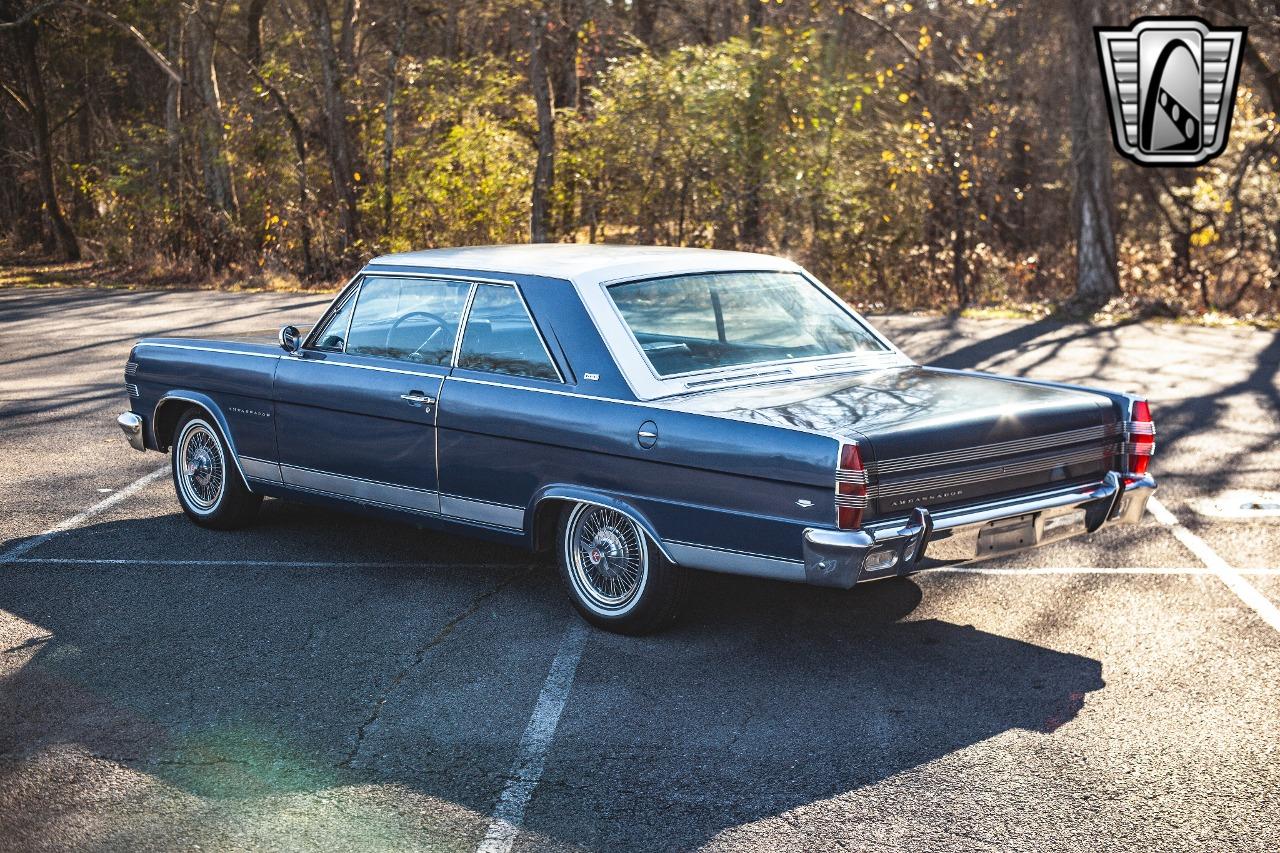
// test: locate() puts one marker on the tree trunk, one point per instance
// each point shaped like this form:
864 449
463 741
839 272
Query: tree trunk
750 229
25 39
1096 276
544 170
646 12
219 184
389 117
336 109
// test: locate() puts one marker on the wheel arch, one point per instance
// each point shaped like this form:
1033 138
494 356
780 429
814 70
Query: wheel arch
168 411
544 511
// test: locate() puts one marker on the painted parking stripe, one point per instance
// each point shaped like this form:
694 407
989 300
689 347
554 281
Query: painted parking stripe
270 564
525 773
1233 578
403 564
80 518
1090 570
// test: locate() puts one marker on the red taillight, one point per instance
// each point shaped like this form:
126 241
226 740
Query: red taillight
851 488
1142 438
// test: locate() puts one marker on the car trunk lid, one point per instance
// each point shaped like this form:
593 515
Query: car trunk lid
936 437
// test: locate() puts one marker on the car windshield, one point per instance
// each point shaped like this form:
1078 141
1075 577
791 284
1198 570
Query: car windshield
689 323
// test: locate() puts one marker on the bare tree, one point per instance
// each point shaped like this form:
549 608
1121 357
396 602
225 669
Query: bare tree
1096 276
219 183
26 37
544 170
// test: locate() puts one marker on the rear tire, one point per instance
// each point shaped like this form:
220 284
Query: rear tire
615 576
208 484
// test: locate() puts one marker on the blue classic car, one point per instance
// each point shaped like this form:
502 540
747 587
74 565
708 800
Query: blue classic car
643 412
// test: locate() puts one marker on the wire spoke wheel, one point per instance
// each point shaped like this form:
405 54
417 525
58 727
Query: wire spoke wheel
607 558
201 467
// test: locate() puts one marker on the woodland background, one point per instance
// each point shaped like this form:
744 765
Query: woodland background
922 154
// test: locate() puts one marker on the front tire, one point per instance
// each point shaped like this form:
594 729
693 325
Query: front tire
208 484
614 574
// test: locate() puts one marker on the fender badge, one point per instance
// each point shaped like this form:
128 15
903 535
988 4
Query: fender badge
804 504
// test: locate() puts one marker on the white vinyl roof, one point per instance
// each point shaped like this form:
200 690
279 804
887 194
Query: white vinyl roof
591 268
586 263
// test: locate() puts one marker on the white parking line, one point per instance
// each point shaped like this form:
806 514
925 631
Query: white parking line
1233 578
79 518
1092 570
270 564
408 564
525 773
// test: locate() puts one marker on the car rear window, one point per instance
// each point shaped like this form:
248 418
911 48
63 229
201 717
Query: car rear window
690 323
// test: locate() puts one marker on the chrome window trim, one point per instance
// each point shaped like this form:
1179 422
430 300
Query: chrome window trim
646 384
354 281
457 350
365 275
329 313
444 368
307 343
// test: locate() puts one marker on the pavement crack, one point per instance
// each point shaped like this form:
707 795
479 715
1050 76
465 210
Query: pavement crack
419 655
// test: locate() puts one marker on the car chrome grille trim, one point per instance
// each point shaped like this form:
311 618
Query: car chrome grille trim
131 388
990 472
1022 445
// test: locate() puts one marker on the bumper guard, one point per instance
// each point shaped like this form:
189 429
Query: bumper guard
930 540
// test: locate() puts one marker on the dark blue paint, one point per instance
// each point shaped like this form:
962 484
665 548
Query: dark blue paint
729 470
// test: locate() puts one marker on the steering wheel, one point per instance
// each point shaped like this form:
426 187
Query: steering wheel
440 322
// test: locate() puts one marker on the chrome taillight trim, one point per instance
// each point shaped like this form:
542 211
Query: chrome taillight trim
854 478
131 388
130 368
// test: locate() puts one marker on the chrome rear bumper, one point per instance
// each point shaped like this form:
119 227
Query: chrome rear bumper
131 426
930 540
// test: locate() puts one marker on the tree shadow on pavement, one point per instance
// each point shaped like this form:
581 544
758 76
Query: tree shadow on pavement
241 682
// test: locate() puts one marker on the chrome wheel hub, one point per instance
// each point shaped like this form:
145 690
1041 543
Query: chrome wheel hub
608 561
201 467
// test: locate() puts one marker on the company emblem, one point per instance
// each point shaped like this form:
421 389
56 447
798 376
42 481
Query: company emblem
1171 87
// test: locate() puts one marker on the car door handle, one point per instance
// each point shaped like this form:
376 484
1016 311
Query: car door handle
417 397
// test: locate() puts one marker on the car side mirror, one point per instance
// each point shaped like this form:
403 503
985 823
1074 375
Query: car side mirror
290 339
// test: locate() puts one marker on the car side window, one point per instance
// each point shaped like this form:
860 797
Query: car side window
407 319
500 336
333 337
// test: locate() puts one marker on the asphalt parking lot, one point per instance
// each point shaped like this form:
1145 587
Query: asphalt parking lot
321 681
